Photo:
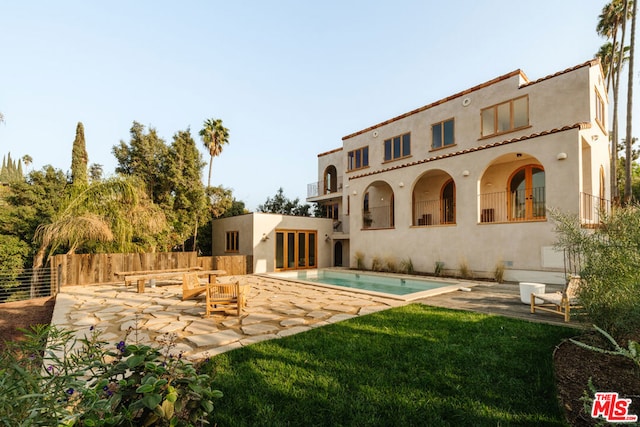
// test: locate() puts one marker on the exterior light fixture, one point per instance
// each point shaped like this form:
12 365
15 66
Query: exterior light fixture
561 156
264 237
465 173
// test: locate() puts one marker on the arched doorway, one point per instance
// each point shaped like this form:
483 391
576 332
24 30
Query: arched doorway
447 203
337 254
527 193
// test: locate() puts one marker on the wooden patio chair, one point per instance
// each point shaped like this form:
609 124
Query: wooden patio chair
222 296
558 302
191 286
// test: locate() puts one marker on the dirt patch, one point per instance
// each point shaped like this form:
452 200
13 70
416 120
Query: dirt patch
573 365
23 314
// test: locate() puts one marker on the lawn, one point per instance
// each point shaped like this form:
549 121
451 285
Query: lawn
413 365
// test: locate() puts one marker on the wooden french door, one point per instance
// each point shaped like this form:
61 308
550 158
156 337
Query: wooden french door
296 249
527 194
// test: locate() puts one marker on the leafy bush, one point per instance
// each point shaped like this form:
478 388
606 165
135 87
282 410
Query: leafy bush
609 267
13 253
87 382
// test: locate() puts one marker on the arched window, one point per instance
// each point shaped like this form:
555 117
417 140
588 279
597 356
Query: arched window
447 203
527 194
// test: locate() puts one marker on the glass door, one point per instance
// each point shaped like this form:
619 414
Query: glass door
527 198
295 249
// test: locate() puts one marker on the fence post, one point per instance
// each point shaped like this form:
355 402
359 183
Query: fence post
59 278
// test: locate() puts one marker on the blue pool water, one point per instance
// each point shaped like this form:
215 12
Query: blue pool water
369 282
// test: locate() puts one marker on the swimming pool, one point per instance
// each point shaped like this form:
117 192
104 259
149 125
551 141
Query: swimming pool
389 285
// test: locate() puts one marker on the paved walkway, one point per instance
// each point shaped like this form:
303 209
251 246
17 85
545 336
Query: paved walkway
275 308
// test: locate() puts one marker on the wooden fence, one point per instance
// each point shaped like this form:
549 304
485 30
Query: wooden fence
82 269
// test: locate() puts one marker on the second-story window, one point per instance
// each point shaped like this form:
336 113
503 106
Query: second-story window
397 147
505 117
442 134
359 158
600 116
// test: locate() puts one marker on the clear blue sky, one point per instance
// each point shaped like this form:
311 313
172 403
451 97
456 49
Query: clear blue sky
288 78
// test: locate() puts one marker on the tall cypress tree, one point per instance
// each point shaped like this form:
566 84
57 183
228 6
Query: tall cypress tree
79 158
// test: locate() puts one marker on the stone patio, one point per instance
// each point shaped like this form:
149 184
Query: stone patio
275 309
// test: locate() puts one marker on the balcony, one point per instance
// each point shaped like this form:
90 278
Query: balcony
434 212
513 206
592 208
379 217
318 190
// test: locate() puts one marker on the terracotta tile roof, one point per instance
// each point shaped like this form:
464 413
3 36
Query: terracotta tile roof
589 63
580 126
330 152
473 89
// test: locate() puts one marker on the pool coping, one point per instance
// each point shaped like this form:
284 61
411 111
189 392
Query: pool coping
456 285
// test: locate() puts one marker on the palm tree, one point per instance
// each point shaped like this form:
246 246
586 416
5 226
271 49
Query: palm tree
629 137
111 213
610 20
214 136
27 160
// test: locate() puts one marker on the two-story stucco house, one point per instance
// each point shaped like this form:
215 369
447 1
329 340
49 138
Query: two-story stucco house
465 182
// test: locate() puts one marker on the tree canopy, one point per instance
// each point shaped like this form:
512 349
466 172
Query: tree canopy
280 204
171 176
11 170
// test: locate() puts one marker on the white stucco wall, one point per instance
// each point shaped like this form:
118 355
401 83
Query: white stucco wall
571 158
257 236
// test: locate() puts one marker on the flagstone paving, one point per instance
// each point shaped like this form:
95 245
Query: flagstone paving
274 309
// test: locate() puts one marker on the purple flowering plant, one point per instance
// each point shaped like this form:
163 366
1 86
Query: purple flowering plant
89 382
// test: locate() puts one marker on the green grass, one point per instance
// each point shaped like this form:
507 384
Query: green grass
413 365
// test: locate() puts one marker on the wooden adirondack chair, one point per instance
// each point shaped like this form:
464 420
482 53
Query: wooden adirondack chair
191 286
222 296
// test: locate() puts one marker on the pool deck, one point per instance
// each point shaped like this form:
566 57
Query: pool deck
275 309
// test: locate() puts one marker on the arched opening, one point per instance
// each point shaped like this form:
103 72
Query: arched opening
527 194
330 180
378 206
433 199
447 203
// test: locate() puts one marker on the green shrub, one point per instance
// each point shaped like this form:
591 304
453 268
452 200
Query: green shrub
88 382
438 268
406 266
609 267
